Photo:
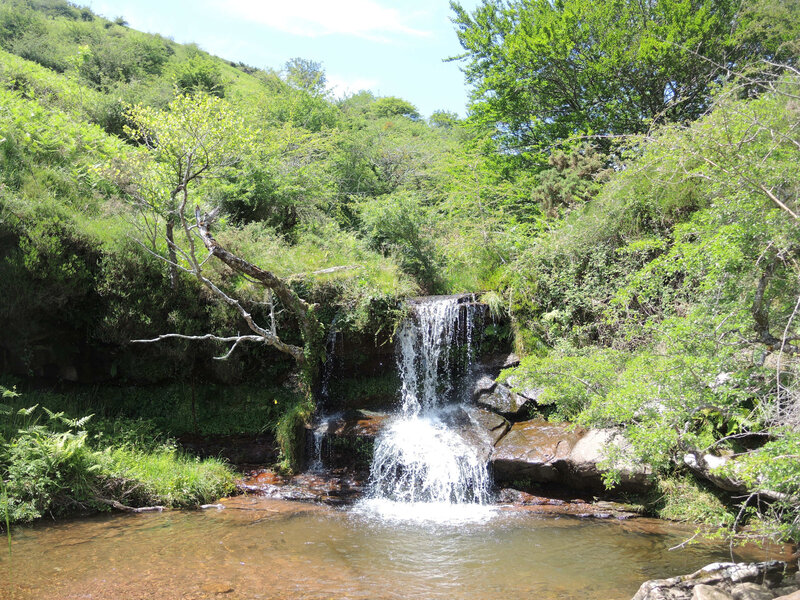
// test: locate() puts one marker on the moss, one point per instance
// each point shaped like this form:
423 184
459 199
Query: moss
290 432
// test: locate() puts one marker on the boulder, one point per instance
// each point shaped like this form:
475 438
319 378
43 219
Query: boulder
537 451
707 592
704 465
530 393
751 591
722 578
590 451
504 402
484 385
793 596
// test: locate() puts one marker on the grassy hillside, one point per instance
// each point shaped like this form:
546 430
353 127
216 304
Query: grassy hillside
651 279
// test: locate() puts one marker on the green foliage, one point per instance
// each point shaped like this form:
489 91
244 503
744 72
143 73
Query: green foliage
570 380
165 477
290 433
307 75
401 225
654 308
687 500
199 74
391 106
773 469
50 467
543 72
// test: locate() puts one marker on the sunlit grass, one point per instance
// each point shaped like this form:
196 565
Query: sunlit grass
167 477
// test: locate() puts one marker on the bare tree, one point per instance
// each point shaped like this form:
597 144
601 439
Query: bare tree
198 138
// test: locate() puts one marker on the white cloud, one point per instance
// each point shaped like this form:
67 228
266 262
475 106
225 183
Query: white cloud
314 18
344 86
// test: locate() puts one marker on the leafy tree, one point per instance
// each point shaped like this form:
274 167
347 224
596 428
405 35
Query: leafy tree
543 71
307 75
444 118
391 106
401 225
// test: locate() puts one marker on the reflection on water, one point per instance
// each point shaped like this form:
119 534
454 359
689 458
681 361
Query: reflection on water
259 548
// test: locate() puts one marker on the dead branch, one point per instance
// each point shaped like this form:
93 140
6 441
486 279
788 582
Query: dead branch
235 339
323 271
130 509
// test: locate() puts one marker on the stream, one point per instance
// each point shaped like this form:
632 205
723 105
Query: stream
428 526
261 548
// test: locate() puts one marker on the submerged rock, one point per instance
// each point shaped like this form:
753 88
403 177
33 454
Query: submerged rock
718 581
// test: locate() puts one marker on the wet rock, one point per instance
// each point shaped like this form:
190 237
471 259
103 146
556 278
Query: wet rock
504 402
494 425
358 423
333 487
484 385
536 451
751 591
348 438
721 577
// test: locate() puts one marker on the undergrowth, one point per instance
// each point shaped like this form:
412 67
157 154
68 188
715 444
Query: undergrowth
51 464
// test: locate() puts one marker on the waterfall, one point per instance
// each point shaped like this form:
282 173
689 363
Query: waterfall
426 458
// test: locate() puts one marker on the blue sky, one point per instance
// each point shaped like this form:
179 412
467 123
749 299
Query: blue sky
392 48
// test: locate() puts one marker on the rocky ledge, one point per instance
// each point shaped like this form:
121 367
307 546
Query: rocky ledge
726 581
537 452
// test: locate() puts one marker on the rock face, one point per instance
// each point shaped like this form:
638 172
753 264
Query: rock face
537 451
533 450
719 581
346 438
503 401
494 425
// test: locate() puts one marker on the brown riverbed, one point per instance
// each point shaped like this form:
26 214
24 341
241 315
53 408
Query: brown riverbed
267 549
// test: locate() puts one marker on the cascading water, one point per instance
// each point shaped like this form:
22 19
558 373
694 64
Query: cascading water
425 464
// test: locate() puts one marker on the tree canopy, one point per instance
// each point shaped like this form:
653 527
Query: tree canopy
542 71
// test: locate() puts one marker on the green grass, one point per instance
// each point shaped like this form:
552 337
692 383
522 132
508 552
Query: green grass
686 500
52 465
166 477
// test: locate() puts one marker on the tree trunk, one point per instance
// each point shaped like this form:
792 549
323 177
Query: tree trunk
173 257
